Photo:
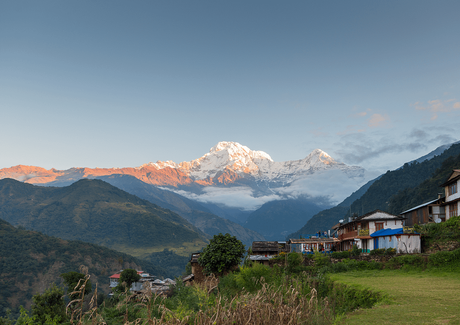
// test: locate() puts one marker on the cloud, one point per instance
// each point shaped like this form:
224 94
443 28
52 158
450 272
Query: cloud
236 197
357 148
329 187
418 134
437 106
377 120
325 188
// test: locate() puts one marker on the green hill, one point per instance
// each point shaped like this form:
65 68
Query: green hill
31 261
97 212
192 211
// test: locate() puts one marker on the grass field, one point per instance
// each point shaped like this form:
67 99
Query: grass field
414 297
182 249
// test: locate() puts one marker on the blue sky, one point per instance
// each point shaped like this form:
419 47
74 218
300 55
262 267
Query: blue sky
122 83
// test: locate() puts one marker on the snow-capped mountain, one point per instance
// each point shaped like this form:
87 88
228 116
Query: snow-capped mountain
240 159
230 175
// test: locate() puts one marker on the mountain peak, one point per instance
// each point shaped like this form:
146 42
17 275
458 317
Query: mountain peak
237 151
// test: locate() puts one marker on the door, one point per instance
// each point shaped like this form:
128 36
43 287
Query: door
376 243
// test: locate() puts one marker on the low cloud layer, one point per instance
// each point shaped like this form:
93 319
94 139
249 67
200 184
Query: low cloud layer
326 188
236 197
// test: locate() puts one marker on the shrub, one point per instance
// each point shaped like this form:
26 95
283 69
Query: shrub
390 252
340 255
445 259
355 251
378 251
407 262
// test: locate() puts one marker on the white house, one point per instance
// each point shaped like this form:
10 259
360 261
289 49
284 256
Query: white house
358 230
452 194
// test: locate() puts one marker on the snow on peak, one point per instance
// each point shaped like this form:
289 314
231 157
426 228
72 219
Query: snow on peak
227 155
236 150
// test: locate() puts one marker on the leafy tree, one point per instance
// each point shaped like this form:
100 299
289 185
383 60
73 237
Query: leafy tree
222 253
129 276
71 280
49 306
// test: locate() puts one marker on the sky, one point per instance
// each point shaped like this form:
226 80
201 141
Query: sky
122 83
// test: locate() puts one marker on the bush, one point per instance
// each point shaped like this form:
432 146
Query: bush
378 251
390 252
355 251
407 262
445 259
340 255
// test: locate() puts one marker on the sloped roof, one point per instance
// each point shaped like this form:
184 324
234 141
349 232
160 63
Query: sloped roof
313 240
377 215
453 177
420 206
265 246
117 275
389 232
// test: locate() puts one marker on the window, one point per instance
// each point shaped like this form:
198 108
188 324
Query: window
453 211
453 188
378 226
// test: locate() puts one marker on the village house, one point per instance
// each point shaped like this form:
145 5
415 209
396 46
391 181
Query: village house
452 201
432 211
146 281
263 251
403 240
358 230
310 245
197 269
136 286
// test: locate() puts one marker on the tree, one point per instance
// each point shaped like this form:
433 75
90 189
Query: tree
49 306
71 280
129 276
222 253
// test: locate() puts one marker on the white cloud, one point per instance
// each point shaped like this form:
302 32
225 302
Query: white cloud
235 197
327 187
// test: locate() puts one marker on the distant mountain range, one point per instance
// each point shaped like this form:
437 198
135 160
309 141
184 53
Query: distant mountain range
231 182
97 212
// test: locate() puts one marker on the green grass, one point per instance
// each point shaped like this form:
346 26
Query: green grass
414 297
182 249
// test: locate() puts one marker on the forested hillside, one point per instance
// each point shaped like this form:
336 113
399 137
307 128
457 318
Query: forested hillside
97 212
192 211
31 261
426 191
379 195
392 192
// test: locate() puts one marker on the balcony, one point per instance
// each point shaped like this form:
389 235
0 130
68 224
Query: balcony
408 230
363 232
349 235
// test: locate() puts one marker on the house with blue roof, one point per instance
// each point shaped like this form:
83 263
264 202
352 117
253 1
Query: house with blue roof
358 230
403 240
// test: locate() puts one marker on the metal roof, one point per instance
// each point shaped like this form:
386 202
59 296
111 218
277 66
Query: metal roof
419 206
390 232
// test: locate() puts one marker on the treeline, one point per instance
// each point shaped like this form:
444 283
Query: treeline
31 261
